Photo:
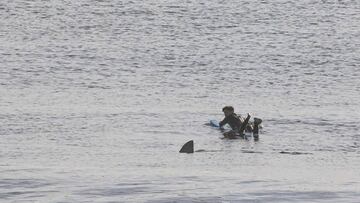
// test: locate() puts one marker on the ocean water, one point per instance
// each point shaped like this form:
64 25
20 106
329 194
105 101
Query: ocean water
98 96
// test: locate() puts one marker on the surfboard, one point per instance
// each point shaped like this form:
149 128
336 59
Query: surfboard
214 123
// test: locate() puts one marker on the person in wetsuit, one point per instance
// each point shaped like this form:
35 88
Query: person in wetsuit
230 118
235 123
233 120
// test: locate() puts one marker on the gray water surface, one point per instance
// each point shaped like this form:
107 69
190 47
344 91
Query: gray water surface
97 98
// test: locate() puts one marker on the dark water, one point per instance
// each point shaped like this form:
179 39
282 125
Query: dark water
97 97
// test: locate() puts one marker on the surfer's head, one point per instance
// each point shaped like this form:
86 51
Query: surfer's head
228 110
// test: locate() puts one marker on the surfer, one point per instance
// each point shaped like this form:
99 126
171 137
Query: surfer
230 118
238 124
233 120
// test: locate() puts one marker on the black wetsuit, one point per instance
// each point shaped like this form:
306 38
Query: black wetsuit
233 120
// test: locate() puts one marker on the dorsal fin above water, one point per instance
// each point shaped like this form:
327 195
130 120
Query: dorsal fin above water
188 147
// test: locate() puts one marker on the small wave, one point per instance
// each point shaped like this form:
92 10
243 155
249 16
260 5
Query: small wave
251 152
294 153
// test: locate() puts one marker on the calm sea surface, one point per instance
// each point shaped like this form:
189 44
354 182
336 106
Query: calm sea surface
97 98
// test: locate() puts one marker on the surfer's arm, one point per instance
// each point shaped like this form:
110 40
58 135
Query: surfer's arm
223 122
